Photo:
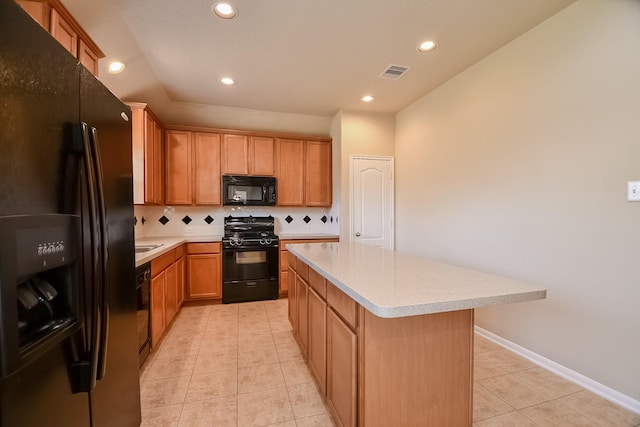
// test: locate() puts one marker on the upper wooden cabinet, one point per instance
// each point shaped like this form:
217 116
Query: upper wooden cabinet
56 19
235 155
317 174
262 156
290 172
248 155
148 182
304 173
178 167
192 168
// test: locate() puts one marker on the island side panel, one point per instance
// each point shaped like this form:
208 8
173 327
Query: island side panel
416 370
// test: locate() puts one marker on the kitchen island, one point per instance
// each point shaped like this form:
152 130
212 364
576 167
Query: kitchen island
389 336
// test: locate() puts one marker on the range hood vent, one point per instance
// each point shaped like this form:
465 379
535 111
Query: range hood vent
394 72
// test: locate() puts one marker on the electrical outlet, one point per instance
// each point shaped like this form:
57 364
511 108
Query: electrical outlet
633 191
189 230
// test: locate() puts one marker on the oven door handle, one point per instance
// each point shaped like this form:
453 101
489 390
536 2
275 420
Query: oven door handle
251 284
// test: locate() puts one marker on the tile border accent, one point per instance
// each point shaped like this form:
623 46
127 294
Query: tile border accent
595 387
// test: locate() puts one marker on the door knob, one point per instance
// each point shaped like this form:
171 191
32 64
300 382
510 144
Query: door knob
358 234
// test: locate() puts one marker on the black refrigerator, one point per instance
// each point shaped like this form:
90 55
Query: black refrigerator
68 341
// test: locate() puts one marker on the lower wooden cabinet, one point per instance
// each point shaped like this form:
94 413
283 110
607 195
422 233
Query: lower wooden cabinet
158 324
342 370
302 292
204 277
317 310
167 289
293 305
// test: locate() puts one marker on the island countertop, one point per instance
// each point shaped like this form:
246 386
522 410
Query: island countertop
394 284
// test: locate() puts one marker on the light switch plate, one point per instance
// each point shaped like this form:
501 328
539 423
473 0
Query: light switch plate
633 191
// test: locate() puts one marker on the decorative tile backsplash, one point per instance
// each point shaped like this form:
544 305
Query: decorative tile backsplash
202 220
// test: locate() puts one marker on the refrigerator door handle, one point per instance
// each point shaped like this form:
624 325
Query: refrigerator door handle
104 303
96 264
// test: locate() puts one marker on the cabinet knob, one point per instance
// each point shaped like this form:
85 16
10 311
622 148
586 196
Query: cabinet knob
357 234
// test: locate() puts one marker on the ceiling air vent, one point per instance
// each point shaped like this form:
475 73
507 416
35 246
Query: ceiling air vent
394 72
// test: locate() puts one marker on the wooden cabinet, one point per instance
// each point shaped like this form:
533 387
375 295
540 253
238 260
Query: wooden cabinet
293 304
290 172
342 371
262 161
302 335
414 370
248 155
167 284
64 32
192 168
158 323
317 312
235 155
148 157
206 168
178 167
56 19
204 273
304 173
317 174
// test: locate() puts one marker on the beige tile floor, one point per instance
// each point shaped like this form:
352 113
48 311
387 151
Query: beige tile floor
238 365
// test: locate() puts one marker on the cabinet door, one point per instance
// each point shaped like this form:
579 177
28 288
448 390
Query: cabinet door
180 285
170 293
206 147
178 168
62 31
318 339
88 57
317 181
158 165
39 10
261 156
204 276
342 386
293 303
303 319
157 308
284 281
290 172
235 155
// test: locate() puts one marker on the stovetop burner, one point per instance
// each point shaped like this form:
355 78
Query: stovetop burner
242 231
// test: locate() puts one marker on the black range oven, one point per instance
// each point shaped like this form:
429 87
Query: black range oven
249 259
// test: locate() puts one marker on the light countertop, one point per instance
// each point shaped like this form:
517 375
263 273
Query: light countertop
168 243
394 284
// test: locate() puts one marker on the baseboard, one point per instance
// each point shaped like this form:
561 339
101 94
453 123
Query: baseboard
566 373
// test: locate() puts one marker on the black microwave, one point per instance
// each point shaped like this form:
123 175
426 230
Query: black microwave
248 190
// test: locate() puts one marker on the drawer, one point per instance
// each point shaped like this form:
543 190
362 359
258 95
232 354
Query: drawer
302 269
158 264
203 248
284 260
291 260
342 303
318 283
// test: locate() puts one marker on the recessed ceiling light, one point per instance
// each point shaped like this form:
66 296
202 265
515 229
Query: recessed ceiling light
116 67
427 46
227 81
367 98
224 10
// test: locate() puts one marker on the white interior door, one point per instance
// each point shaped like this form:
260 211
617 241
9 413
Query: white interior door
372 201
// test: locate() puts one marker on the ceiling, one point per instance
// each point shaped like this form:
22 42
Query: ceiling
312 57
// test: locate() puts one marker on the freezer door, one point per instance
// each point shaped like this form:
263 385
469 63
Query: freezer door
39 100
115 400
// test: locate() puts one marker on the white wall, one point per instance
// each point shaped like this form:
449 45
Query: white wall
360 133
518 166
